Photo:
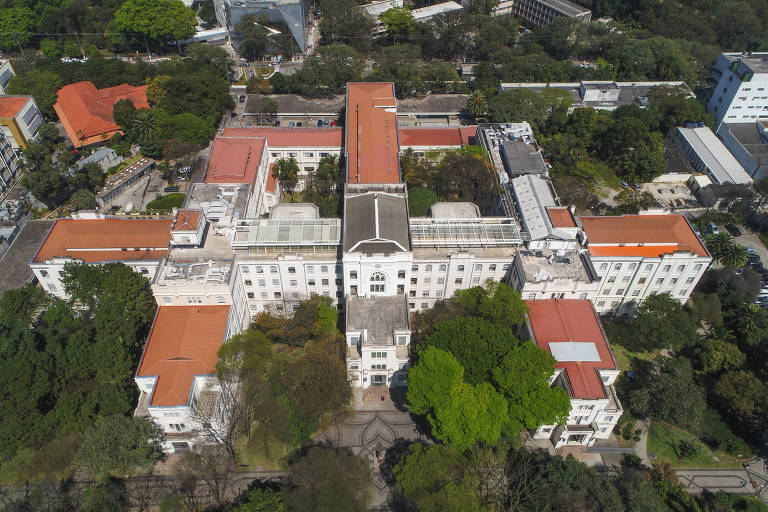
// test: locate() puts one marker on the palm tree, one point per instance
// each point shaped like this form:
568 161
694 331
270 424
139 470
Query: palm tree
718 245
143 125
477 105
324 178
287 172
735 257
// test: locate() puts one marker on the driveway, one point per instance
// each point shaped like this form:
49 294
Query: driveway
752 479
749 239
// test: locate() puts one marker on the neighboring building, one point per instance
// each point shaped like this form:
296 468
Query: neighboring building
739 88
708 155
6 73
373 9
548 226
241 160
140 244
440 138
640 255
541 12
291 12
10 163
586 368
520 157
425 14
551 274
117 183
19 119
177 371
601 95
292 110
103 157
748 143
86 112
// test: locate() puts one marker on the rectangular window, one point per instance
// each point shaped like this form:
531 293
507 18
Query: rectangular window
491 268
649 267
683 293
378 355
666 268
414 280
324 282
689 280
674 280
460 268
428 268
625 279
273 269
401 340
264 295
424 305
478 267
641 280
324 269
476 280
294 282
603 266
275 282
353 274
414 268
378 367
278 295
295 295
440 280
401 274
251 295
262 282
353 290
443 267
377 287
660 280
697 266
245 269
310 269
425 293
427 280
412 293
607 292
259 270
291 270
310 282
617 266
400 289
635 293
457 281
632 266
439 293
681 268
611 279
248 282
308 154
505 266
601 304
620 291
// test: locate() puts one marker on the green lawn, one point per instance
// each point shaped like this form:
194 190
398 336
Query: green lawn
660 443
252 454
624 357
166 202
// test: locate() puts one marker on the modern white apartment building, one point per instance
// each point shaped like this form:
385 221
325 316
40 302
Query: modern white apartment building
639 255
6 73
586 368
20 119
739 88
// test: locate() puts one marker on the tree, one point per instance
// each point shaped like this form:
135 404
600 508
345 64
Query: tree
435 478
42 85
399 21
143 126
632 201
717 355
316 385
16 27
214 56
476 343
743 398
722 247
328 480
660 322
124 112
287 172
344 22
191 129
328 70
522 377
658 395
253 37
81 200
460 414
157 20
676 108
109 495
401 64
496 302
477 104
420 200
213 466
117 445
262 500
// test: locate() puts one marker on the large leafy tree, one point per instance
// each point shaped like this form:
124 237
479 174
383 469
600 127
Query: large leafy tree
476 343
156 20
16 27
328 70
344 22
399 21
328 480
496 302
523 378
744 398
436 478
286 170
42 85
661 322
118 445
460 414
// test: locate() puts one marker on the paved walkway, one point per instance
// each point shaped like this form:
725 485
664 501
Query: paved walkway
641 446
752 479
369 431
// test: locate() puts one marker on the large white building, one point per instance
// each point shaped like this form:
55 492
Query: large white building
586 368
221 260
739 88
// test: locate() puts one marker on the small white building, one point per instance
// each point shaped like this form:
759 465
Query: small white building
378 340
708 155
586 368
551 274
6 73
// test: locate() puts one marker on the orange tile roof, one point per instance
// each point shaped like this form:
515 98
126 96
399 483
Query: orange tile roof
441 136
235 160
291 137
641 235
183 343
561 217
271 180
100 240
566 320
371 131
10 106
86 112
186 220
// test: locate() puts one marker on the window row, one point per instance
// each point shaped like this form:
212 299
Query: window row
273 269
649 266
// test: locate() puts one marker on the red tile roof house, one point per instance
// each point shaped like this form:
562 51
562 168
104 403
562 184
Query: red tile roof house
86 112
586 368
140 244
177 371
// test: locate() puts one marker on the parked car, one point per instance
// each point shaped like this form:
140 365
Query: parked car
713 228
114 208
242 98
171 189
732 229
635 186
624 184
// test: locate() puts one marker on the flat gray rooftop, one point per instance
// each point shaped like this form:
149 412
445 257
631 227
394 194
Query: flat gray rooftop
15 262
566 7
295 211
380 316
213 193
547 265
294 104
522 158
757 62
455 210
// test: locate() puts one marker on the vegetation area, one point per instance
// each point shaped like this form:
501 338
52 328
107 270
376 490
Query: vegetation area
67 371
463 174
713 352
167 202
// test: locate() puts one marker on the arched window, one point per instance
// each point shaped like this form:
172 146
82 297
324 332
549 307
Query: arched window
378 282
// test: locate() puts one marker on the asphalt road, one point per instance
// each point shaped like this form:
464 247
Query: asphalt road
751 480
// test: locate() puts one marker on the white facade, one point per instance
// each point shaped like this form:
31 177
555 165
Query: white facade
307 158
6 73
50 272
626 281
740 88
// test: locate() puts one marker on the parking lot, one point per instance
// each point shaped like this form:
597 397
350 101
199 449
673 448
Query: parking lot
671 195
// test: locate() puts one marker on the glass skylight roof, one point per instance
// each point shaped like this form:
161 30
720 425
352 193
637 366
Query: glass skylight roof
470 232
288 232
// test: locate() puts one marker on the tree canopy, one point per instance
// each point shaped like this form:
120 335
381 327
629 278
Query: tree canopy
156 20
